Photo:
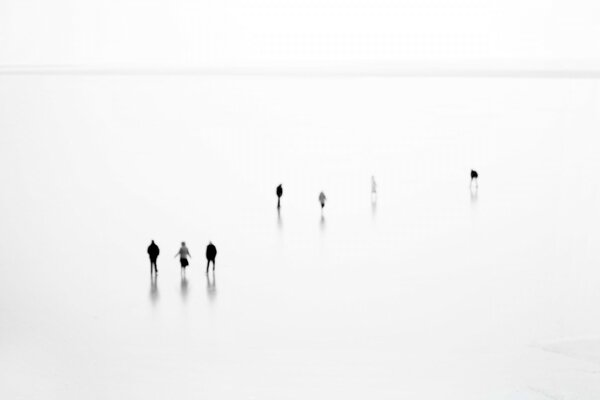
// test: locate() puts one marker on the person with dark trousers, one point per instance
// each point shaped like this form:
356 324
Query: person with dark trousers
279 192
153 252
211 254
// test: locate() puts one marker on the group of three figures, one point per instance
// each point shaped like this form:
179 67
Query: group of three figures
184 254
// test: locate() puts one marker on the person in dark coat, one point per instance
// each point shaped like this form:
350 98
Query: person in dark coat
211 254
279 192
153 252
474 177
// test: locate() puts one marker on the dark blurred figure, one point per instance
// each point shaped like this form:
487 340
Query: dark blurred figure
474 177
153 252
211 254
322 199
183 254
279 192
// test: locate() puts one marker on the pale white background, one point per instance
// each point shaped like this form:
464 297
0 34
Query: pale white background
433 292
300 33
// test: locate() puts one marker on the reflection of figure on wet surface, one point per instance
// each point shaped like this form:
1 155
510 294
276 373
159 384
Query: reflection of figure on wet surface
279 192
474 177
474 194
183 254
153 288
211 286
322 222
211 254
279 221
373 204
153 252
184 286
322 199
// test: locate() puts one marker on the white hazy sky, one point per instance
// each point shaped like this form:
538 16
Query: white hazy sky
299 33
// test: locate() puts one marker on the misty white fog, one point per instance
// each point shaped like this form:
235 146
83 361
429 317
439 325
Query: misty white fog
126 121
434 291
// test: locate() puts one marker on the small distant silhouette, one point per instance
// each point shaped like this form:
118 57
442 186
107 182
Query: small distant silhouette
211 254
474 177
322 199
183 254
153 252
373 185
279 192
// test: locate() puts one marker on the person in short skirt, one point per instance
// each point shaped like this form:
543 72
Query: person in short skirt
183 254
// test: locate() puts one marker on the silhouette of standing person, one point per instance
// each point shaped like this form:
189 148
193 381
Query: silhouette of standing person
211 254
279 192
474 177
322 199
153 252
373 186
183 254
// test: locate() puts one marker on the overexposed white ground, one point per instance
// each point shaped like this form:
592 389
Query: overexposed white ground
434 292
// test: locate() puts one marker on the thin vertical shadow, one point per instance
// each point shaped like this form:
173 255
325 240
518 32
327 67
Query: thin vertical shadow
322 223
153 289
211 287
279 220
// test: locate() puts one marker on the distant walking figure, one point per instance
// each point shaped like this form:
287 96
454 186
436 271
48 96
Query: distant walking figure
279 192
211 254
474 177
183 254
373 185
153 252
322 199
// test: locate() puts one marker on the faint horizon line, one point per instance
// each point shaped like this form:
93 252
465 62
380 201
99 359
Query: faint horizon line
358 71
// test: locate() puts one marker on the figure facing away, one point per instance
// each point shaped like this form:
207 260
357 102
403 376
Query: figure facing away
279 192
373 185
183 254
322 199
211 255
153 252
474 177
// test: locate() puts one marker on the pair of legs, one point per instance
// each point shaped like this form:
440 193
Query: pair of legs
208 265
153 265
